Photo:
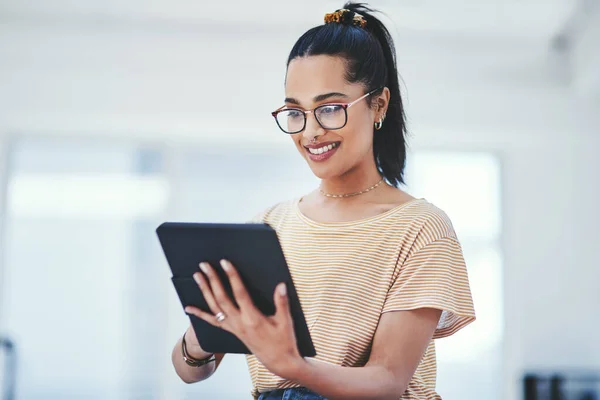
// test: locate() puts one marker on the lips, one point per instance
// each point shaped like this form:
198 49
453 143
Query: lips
321 151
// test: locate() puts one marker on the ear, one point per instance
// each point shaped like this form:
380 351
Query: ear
381 104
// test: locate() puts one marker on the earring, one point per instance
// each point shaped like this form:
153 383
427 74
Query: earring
378 124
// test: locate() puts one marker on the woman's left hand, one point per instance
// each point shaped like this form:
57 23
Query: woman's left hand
270 338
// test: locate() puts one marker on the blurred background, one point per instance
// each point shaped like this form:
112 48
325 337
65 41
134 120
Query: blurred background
118 115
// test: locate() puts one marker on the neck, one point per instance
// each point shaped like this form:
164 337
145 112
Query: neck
357 179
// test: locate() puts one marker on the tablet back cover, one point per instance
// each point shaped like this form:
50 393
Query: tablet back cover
256 253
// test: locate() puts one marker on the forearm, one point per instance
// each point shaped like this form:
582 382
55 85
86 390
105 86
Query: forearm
190 374
334 382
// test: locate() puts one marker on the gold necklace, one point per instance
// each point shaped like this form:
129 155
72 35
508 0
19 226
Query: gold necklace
351 194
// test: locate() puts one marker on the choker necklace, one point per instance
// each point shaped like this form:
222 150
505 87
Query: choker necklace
351 194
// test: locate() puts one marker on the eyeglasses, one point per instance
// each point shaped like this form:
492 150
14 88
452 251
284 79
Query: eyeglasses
329 116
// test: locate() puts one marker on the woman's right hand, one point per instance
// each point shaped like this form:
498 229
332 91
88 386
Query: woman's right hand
193 347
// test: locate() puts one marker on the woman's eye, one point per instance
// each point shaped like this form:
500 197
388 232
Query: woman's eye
329 110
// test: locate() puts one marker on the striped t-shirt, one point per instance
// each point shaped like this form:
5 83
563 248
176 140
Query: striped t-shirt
348 273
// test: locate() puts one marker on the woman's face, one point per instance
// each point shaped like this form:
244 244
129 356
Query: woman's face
316 80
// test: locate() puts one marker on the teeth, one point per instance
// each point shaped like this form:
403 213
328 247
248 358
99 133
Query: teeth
323 149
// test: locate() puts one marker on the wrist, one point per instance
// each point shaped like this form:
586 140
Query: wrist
194 351
297 369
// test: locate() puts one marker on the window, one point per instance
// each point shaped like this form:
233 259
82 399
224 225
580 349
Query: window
82 280
467 187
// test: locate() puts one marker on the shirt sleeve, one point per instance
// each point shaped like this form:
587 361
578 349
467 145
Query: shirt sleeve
262 216
272 215
435 276
257 218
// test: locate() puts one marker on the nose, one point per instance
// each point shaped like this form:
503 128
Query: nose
312 128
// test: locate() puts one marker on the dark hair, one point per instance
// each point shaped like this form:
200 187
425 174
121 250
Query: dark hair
371 60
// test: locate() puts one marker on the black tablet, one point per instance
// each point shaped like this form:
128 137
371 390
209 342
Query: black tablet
255 252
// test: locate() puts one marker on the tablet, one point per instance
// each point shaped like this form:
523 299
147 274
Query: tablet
255 252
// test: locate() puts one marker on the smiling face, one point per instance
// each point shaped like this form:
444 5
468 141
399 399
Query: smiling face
316 80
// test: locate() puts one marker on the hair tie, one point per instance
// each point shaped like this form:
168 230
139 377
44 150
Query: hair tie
346 17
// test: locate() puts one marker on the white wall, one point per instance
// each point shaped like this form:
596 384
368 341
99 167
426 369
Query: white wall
552 258
3 187
58 77
171 83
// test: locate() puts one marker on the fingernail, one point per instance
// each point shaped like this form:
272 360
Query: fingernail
282 289
225 265
204 267
197 277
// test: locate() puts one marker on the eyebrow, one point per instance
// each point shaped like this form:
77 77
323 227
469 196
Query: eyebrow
318 98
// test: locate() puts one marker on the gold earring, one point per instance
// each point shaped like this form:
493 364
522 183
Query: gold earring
378 124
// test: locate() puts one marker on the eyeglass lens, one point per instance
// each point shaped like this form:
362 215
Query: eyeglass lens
330 116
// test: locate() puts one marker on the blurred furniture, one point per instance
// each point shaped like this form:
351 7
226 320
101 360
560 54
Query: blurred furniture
562 385
8 375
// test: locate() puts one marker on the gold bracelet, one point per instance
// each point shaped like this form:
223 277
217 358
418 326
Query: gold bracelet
191 361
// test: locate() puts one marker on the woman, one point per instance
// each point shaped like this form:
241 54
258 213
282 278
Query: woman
380 274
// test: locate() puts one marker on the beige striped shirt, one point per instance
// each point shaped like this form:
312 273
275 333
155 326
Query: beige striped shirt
348 273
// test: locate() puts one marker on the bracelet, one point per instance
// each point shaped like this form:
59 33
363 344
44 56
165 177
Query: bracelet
191 361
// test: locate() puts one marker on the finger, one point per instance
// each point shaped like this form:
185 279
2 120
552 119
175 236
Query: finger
282 305
208 317
207 292
240 293
222 300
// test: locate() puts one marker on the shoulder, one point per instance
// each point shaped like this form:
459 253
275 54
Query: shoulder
431 219
424 223
271 215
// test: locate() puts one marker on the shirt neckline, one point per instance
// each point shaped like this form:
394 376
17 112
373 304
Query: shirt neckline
377 217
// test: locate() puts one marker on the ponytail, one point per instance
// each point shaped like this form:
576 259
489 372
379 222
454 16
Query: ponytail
371 60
